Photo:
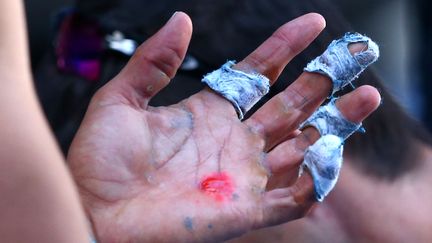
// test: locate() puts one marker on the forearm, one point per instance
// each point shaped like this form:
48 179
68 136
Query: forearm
14 61
38 201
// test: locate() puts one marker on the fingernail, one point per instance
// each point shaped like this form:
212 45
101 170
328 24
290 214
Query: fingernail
172 17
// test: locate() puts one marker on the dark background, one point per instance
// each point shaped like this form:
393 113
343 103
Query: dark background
401 27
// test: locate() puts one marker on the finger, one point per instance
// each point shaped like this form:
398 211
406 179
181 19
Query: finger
273 55
292 106
155 62
354 106
276 52
285 204
284 171
288 203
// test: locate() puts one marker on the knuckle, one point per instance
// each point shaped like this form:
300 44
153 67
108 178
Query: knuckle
165 58
284 39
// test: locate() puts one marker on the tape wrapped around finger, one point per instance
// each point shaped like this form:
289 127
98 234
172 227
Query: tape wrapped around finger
323 160
340 65
242 89
329 120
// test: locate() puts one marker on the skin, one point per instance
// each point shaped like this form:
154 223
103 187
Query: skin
362 208
37 191
379 211
140 169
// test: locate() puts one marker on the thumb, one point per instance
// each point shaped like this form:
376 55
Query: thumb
155 62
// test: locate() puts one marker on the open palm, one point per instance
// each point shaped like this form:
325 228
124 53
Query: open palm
193 171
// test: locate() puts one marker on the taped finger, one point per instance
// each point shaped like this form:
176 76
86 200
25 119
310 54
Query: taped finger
329 120
351 109
340 65
323 160
245 83
291 107
242 89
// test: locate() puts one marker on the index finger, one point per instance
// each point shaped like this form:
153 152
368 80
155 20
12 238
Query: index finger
293 105
271 57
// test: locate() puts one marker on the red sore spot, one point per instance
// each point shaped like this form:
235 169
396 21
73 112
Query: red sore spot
218 185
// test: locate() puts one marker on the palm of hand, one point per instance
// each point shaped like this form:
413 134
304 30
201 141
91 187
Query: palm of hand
128 160
193 171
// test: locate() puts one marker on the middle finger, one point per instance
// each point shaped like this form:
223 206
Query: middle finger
282 115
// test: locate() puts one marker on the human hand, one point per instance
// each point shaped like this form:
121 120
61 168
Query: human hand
193 171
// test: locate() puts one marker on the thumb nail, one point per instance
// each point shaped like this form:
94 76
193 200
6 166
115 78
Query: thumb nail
172 17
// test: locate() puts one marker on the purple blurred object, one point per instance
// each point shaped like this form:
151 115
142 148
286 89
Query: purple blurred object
79 46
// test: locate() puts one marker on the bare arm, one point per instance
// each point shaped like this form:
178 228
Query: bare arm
38 200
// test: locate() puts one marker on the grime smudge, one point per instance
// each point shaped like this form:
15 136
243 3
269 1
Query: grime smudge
188 223
218 185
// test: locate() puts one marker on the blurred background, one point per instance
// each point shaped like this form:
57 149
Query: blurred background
401 27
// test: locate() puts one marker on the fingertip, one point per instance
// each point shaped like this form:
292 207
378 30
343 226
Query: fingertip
166 48
183 19
360 103
317 19
370 96
178 28
311 24
286 42
156 61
